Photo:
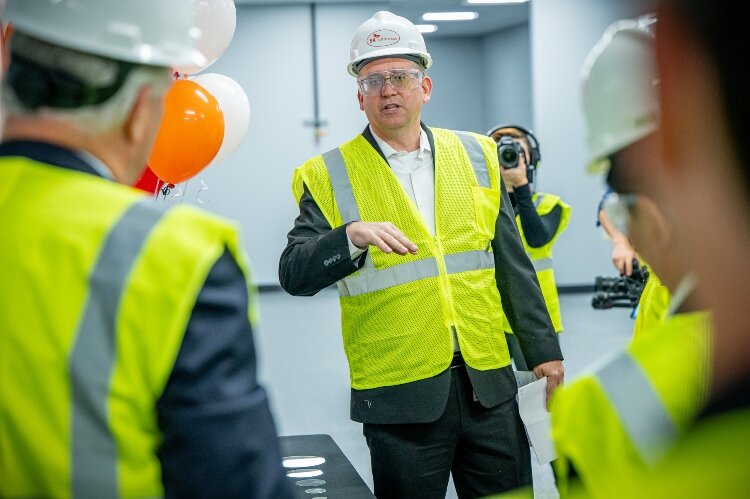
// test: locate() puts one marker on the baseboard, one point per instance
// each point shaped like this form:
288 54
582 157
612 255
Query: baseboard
575 288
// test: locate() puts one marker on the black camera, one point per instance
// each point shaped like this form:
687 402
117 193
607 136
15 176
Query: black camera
623 291
508 152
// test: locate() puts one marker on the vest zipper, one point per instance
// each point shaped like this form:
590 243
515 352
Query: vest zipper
444 283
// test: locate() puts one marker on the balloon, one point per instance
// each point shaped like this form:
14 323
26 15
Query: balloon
192 130
148 182
216 21
235 106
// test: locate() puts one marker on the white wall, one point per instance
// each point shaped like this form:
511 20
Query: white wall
562 33
458 84
506 58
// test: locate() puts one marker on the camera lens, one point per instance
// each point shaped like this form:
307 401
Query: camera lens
509 156
508 151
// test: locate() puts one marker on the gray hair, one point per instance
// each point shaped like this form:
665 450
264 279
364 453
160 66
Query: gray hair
91 70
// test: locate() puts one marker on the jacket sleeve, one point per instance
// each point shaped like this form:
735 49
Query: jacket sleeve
538 230
523 303
316 256
219 437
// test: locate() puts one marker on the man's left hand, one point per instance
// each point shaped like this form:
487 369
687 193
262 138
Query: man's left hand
554 372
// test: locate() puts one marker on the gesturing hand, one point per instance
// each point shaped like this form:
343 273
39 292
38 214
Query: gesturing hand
384 235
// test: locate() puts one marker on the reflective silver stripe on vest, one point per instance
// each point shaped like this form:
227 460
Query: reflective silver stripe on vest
639 407
469 260
93 450
342 187
377 280
542 264
476 156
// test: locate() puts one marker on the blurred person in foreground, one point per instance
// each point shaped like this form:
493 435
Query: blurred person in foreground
127 365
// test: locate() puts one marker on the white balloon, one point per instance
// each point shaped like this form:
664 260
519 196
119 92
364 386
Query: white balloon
234 105
216 21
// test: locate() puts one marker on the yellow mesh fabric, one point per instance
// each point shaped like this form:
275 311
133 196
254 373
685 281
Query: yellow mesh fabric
395 335
682 382
652 307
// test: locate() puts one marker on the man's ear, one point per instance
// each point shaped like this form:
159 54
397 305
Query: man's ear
146 109
361 100
426 89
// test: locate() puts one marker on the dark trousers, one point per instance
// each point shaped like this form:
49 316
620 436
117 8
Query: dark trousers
486 450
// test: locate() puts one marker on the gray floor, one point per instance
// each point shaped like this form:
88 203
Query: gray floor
303 367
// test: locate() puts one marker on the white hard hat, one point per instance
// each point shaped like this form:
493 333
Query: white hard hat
619 89
150 32
386 35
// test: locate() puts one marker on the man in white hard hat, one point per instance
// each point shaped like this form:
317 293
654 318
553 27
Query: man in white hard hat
127 363
615 421
414 225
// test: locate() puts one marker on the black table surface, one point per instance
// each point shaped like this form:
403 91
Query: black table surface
341 479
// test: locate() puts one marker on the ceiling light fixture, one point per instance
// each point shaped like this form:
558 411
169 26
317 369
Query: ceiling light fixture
426 28
449 16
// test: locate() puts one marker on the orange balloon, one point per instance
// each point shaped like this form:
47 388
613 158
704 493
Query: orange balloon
191 133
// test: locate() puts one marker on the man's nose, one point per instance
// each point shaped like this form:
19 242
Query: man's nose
388 83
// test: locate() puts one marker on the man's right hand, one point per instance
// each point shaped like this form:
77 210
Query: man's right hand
384 235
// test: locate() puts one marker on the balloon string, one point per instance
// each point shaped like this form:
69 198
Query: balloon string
185 189
156 189
204 187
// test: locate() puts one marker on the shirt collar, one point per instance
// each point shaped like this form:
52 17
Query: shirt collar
52 154
388 151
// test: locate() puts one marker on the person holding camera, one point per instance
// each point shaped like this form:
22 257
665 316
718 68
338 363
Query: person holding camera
541 217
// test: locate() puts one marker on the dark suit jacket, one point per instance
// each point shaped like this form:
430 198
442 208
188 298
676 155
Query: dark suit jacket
317 256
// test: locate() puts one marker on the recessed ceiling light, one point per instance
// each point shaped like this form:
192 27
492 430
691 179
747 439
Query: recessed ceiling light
426 28
449 16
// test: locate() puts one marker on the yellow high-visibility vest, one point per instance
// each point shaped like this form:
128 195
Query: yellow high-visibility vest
98 287
398 311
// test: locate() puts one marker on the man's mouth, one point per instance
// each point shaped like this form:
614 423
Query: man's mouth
391 106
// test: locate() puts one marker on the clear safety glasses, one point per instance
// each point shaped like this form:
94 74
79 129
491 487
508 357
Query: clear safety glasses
619 209
401 79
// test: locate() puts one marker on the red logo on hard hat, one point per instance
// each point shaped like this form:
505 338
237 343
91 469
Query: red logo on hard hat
383 38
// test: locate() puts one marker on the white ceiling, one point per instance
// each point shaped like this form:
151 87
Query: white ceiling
491 17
